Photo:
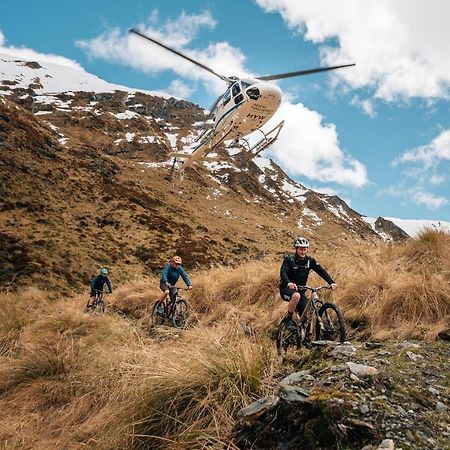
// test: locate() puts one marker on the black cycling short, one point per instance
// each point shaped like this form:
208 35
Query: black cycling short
164 288
286 294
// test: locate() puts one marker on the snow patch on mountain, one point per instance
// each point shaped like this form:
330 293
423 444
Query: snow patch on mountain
46 77
414 226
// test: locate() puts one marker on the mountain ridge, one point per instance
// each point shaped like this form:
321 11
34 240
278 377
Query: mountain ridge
97 164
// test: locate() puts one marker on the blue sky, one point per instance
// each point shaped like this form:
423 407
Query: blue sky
377 135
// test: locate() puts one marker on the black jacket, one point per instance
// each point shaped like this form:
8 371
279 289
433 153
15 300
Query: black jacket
296 270
99 281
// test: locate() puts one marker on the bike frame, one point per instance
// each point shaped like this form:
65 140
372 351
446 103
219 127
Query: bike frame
315 303
170 307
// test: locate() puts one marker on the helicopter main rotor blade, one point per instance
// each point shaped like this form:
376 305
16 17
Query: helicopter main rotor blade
222 77
301 72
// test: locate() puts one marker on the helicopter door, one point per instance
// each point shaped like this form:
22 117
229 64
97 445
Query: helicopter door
236 91
226 97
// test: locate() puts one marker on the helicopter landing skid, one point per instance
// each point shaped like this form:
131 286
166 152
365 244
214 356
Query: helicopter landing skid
268 138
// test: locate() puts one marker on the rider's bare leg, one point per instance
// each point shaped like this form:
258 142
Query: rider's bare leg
164 295
293 303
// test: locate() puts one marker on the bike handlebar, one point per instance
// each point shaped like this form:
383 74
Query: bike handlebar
308 288
179 288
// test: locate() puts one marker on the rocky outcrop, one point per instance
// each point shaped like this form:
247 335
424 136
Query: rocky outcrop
369 396
389 229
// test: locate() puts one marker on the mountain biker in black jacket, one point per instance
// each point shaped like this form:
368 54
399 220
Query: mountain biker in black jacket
97 285
294 272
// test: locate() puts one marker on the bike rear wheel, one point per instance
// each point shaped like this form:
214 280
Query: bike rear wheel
181 313
287 339
333 325
158 314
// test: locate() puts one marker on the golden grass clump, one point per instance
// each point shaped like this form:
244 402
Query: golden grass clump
135 299
249 292
189 399
403 292
16 312
428 253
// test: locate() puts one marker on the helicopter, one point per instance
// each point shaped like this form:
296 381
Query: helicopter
246 105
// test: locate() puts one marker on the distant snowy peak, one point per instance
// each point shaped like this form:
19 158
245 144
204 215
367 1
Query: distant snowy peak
46 77
414 227
388 226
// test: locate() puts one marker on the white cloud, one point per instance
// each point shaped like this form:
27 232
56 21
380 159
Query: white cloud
400 47
179 89
415 193
134 51
422 174
365 105
307 147
431 154
28 54
429 200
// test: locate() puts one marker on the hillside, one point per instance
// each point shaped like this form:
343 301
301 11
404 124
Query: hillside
84 183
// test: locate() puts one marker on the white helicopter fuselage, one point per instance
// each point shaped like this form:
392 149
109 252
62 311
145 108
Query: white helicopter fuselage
244 108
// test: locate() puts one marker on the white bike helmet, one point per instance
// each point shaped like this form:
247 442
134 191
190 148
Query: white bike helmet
301 242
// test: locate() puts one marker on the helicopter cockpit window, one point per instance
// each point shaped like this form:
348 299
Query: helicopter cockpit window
226 97
235 89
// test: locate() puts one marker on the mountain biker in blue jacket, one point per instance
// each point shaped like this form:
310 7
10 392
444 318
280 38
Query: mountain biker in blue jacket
170 275
294 272
97 284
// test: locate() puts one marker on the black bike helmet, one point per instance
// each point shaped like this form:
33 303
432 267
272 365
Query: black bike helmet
301 242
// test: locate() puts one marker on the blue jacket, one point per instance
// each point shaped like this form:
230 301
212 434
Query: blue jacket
171 274
99 281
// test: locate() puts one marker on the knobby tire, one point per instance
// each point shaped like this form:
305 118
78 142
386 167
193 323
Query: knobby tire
156 318
333 324
286 339
181 313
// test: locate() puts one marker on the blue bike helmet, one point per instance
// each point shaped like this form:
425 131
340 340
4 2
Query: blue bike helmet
104 271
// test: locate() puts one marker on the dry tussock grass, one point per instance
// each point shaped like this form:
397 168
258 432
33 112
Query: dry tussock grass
100 381
191 395
16 313
135 299
249 293
398 291
104 382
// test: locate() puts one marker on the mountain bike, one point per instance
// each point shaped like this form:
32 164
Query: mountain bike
175 311
323 320
99 302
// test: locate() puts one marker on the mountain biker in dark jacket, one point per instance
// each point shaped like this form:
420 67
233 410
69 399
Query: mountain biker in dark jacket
97 285
170 275
294 272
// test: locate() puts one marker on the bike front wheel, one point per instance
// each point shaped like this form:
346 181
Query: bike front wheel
180 313
158 314
287 338
331 326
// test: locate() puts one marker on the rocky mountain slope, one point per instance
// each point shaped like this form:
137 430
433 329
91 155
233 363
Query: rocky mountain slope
84 182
